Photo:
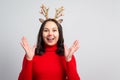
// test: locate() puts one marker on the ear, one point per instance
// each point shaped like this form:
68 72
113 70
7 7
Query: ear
41 20
60 20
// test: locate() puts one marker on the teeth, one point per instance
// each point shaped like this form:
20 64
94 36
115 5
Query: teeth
50 38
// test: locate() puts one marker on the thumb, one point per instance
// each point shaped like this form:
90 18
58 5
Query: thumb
33 48
65 50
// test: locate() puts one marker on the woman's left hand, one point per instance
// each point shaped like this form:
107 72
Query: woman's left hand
69 52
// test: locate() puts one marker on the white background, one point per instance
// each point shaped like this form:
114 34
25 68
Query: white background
95 23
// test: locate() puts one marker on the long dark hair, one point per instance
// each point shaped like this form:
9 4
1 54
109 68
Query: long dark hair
40 48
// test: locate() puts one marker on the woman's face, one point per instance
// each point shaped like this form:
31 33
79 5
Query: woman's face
50 33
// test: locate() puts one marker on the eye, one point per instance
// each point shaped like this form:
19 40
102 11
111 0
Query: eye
45 30
54 30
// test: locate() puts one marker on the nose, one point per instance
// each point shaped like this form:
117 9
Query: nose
50 33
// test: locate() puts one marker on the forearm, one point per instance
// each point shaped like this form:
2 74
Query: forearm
26 72
72 70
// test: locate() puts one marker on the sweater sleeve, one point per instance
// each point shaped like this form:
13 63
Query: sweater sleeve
26 72
71 70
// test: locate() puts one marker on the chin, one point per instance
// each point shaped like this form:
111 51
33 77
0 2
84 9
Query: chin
51 44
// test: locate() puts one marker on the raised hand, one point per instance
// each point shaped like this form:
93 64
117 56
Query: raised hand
69 52
29 51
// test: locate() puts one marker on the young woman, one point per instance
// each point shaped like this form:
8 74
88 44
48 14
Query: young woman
49 59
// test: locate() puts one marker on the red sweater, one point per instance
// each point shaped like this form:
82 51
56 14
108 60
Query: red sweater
49 66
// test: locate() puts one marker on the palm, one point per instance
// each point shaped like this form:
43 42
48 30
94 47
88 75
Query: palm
29 51
69 52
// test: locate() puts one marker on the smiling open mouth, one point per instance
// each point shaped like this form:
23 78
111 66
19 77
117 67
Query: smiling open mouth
49 39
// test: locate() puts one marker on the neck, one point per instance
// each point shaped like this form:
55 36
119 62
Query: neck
51 48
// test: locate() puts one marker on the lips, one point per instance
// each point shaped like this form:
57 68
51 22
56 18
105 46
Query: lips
50 39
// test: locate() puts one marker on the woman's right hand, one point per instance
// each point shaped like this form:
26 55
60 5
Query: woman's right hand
29 51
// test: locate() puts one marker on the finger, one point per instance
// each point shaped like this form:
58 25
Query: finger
65 47
71 49
25 44
21 44
65 50
76 48
75 43
33 48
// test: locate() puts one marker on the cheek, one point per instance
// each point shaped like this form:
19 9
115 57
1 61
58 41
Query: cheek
57 35
44 35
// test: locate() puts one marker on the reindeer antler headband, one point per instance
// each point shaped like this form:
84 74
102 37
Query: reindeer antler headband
44 12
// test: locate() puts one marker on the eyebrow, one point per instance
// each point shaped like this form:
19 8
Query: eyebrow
52 28
45 28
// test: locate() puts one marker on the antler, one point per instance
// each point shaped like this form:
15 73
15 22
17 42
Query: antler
44 11
59 12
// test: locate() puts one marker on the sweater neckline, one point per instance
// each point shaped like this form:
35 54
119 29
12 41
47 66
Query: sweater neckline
51 48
